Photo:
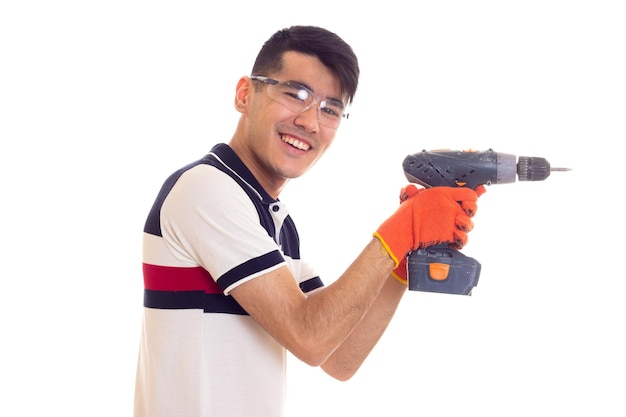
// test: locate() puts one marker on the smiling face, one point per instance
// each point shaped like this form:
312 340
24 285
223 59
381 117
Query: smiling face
276 143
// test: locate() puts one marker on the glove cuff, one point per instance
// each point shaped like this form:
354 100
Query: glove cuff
401 273
397 276
396 262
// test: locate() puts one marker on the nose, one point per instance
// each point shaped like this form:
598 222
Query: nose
309 118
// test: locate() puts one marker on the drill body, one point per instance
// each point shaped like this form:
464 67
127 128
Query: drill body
439 268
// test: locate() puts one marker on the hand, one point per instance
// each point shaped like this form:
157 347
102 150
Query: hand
400 272
428 217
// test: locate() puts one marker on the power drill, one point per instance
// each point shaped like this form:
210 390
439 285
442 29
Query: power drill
442 269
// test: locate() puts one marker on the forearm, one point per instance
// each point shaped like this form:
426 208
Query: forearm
337 310
348 357
313 327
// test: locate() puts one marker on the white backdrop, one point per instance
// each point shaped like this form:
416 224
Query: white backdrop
100 101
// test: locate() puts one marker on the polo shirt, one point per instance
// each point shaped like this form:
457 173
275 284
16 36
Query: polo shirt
212 228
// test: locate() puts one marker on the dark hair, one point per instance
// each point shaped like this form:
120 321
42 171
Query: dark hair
329 48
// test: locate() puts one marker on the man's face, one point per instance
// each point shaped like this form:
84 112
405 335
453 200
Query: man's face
280 143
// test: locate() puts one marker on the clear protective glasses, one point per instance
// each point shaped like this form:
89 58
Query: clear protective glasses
299 98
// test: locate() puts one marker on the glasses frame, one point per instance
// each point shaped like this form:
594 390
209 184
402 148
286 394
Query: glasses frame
317 100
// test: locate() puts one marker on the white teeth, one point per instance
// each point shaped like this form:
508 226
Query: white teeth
295 143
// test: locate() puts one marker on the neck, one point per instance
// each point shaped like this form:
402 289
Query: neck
271 184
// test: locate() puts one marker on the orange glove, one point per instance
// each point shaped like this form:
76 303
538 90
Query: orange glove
400 272
428 217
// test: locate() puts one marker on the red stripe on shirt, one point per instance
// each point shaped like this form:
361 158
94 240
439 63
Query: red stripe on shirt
169 278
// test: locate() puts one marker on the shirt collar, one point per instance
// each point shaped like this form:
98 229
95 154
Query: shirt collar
227 156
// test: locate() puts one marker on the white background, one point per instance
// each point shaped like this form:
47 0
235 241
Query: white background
100 101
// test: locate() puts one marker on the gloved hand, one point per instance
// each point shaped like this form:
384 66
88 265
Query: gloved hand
428 217
400 272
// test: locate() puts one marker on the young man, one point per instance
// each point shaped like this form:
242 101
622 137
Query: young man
226 293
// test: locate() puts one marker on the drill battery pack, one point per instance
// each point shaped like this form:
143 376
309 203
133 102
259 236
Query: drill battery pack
442 270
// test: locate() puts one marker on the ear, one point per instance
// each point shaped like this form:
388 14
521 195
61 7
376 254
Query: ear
242 94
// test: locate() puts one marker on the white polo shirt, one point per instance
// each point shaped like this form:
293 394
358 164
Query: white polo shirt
212 228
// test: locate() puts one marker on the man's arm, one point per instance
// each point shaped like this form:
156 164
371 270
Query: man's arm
313 328
349 357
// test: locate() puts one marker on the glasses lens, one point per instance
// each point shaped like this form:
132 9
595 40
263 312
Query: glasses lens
331 113
292 96
298 98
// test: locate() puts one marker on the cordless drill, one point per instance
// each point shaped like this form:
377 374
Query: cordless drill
440 268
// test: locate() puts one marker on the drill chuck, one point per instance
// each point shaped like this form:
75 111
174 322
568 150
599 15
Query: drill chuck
532 168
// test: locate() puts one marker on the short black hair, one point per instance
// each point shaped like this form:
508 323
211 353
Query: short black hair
327 46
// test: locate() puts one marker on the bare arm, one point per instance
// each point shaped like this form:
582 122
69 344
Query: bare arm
348 357
313 328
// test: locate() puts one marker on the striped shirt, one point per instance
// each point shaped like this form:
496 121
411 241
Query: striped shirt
212 227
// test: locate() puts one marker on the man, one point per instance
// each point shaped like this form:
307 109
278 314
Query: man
226 293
